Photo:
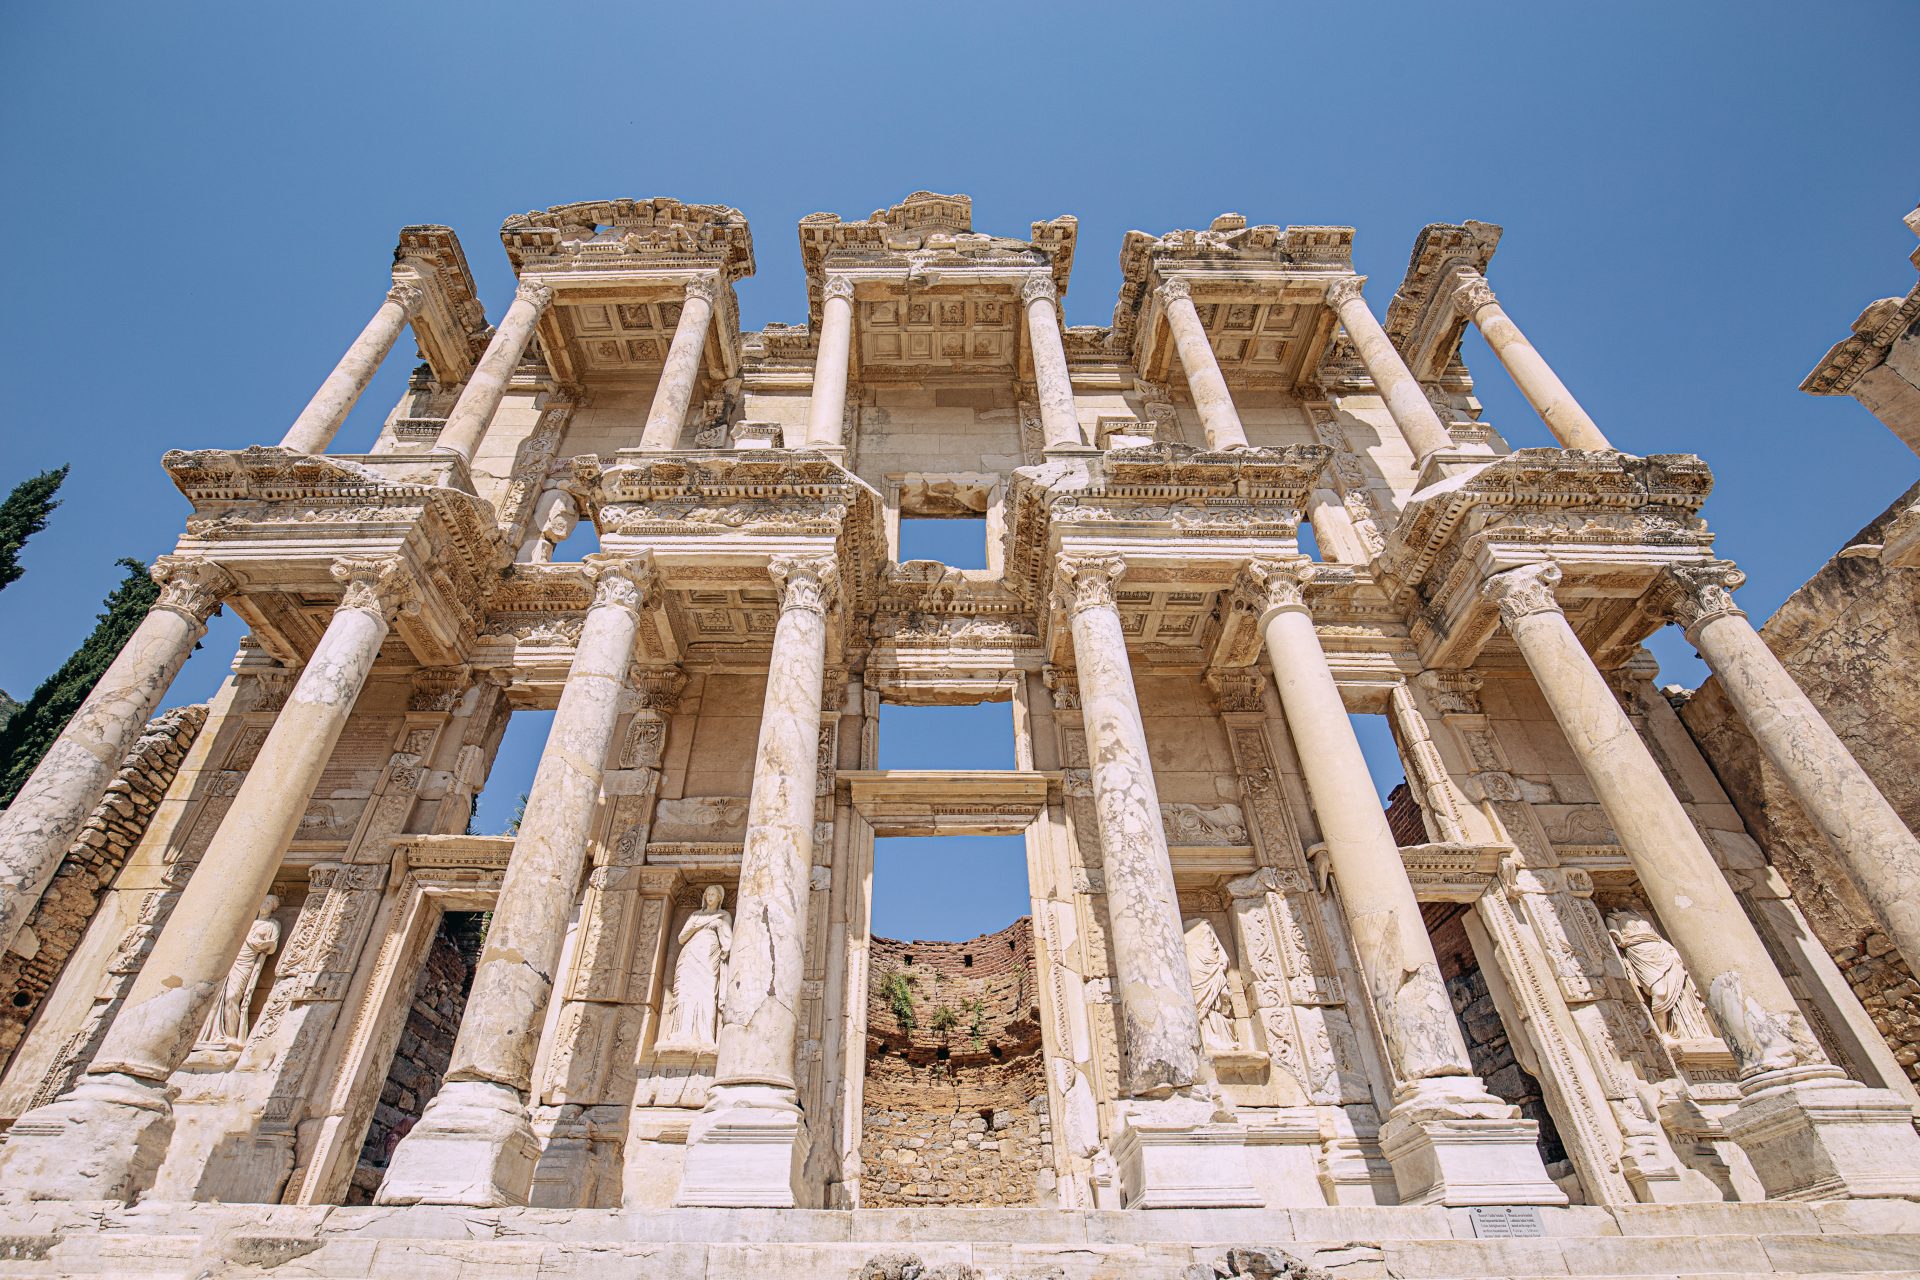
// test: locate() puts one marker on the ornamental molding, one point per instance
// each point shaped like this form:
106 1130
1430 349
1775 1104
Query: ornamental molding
1875 331
1421 320
450 324
596 236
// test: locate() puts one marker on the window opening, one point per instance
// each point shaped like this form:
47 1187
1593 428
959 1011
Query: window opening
975 737
502 803
959 542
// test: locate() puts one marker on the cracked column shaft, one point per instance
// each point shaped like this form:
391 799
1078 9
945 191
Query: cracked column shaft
760 1003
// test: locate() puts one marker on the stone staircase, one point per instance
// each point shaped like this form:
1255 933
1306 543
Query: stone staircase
1827 1241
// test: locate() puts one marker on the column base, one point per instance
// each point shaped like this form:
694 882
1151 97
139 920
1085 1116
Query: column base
1813 1134
744 1151
474 1146
1182 1153
104 1139
1452 1143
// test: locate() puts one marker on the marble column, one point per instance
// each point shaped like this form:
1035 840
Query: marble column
1535 377
1406 402
474 1144
467 424
1809 1131
63 789
314 429
1836 793
1204 380
1151 982
827 407
1059 422
105 1139
745 1147
668 416
1448 1139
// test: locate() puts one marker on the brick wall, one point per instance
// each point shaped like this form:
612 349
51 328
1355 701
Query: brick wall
956 1103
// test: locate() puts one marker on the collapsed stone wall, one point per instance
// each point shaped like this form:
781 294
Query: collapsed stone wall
425 1049
1848 638
955 1096
107 839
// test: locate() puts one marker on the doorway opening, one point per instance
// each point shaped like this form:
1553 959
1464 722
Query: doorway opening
426 1045
954 1091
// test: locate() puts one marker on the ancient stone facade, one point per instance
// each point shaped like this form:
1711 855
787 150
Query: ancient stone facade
1243 1022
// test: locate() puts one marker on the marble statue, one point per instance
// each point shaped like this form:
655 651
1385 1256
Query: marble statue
1207 963
227 1022
706 939
1661 977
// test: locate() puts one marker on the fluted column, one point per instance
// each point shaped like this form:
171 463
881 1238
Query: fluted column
467 424
1059 422
668 416
1406 403
740 1151
1149 952
1836 793
63 789
1403 975
827 408
1549 396
1809 1132
1204 380
105 1139
317 424
475 1144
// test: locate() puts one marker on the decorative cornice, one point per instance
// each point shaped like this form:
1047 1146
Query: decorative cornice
1087 582
379 585
804 582
191 586
1693 594
1523 592
622 581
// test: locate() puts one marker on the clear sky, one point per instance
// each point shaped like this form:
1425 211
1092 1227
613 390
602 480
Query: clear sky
1698 200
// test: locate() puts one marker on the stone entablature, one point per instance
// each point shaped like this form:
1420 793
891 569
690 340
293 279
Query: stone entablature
1240 1004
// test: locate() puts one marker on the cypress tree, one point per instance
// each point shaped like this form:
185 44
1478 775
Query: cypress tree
32 729
24 514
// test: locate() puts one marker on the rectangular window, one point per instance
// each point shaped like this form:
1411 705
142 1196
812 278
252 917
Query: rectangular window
976 737
959 542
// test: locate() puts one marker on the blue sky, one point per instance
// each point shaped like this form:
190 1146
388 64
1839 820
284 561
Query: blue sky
1698 199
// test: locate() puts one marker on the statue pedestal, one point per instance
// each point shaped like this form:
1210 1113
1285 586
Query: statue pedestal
1813 1134
474 1146
103 1140
1452 1143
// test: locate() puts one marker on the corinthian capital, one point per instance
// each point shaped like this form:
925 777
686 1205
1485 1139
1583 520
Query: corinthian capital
1693 594
380 585
1087 582
706 288
1039 285
622 581
804 582
1474 293
1273 585
1344 290
190 586
837 287
408 294
533 291
1523 592
1174 290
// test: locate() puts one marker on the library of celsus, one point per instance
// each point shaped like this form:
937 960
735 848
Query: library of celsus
1553 1010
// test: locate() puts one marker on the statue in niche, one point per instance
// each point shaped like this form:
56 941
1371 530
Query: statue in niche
554 516
1207 965
705 941
1661 977
227 1022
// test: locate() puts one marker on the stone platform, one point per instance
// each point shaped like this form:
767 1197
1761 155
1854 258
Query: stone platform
215 1242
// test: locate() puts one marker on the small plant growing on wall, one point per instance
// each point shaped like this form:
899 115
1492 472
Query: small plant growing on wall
977 1021
944 1019
898 993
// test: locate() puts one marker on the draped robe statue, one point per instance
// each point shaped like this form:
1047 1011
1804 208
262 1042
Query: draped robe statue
227 1022
705 941
1207 965
1661 977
